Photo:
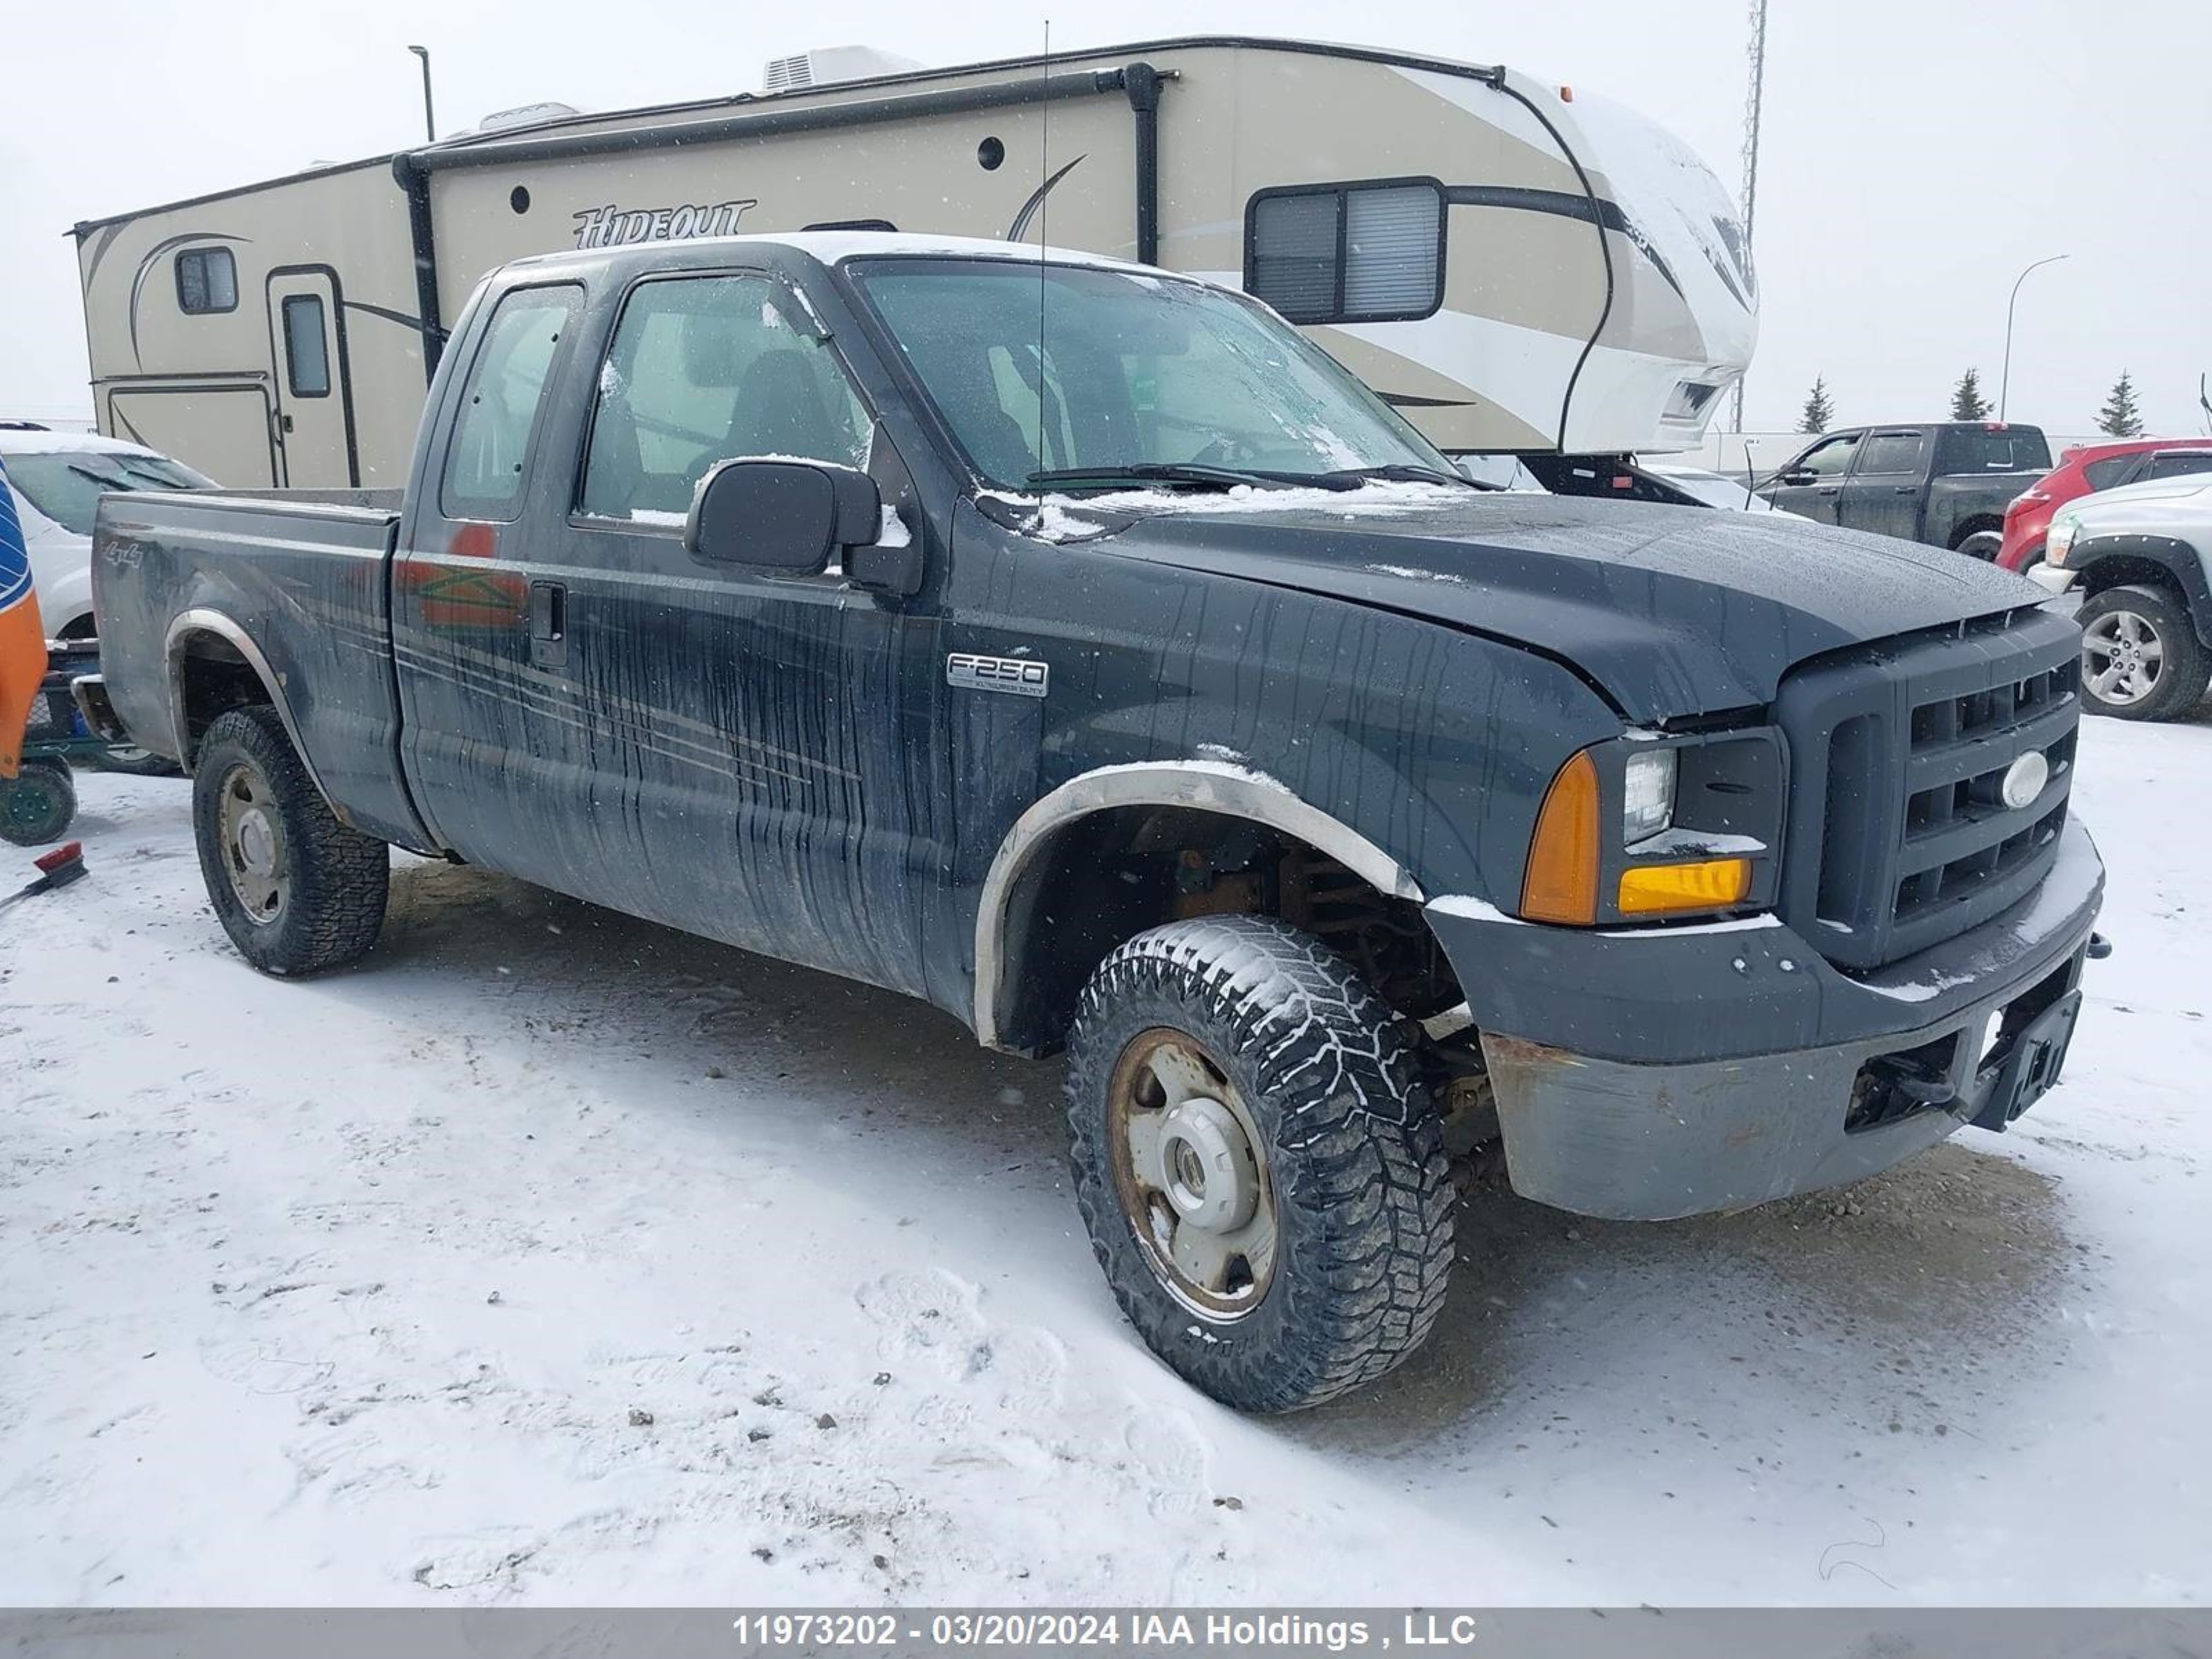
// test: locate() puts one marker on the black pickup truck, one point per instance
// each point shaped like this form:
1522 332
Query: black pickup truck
1946 484
1075 647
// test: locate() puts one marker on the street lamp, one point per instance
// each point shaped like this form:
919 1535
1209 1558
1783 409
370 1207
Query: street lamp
429 120
2004 386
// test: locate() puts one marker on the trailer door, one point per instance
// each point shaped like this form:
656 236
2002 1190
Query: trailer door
314 406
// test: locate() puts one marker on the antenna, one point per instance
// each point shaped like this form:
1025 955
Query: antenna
1751 111
1044 214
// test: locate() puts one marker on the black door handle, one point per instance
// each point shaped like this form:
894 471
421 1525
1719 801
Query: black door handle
549 624
1830 490
1908 490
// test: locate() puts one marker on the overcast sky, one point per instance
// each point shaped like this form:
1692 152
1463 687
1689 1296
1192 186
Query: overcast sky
1917 153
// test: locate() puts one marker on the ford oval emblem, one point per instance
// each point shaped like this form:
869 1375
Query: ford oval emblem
2024 779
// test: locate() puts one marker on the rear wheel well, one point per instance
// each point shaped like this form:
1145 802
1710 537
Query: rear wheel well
212 678
1991 523
1104 877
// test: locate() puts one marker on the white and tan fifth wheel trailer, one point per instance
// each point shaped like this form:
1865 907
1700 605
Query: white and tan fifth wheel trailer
1520 268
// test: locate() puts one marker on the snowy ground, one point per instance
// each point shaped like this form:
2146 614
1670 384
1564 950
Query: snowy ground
554 1257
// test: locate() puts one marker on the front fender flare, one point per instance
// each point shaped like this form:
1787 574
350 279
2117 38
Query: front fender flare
1208 786
2178 558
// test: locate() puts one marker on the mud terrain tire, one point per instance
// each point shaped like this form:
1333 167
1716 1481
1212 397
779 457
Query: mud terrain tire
297 891
1278 1034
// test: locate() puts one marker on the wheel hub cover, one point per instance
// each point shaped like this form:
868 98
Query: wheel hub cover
257 845
1206 1167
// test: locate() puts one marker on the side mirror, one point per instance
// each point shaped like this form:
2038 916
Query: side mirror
783 516
1797 475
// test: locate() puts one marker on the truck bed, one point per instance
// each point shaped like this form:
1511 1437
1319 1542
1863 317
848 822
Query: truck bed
297 578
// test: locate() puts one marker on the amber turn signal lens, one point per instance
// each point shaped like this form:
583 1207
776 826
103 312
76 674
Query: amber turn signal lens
1561 885
1658 890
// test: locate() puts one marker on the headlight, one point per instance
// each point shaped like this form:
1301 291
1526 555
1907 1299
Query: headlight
2056 544
1648 826
1647 795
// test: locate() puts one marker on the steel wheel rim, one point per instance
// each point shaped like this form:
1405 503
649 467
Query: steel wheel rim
1190 1168
29 804
251 835
2123 657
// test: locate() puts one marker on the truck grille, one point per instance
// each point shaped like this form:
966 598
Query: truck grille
1900 836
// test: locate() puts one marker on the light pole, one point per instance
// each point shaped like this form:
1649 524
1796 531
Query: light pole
429 120
2004 386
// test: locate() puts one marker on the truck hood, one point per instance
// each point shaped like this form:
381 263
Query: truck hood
1673 610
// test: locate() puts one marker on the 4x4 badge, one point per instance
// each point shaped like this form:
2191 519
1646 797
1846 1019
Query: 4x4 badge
1023 676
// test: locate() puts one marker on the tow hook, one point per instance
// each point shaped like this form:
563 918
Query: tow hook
2099 947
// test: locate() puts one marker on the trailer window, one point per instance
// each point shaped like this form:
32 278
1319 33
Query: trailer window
1348 253
500 406
703 369
306 350
207 281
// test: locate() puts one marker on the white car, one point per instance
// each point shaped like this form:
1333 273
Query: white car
57 479
2140 557
1706 488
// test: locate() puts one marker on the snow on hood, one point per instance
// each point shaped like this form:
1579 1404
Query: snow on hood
1054 517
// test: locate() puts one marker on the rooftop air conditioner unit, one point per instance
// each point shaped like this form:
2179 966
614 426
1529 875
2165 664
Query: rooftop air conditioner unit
826 65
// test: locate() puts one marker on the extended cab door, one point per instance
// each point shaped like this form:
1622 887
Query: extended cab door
1887 491
479 752
740 754
1812 483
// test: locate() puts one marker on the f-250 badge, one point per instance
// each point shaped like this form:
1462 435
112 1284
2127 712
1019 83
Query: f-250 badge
1018 675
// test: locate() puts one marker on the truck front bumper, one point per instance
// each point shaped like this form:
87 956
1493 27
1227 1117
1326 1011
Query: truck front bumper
1661 1072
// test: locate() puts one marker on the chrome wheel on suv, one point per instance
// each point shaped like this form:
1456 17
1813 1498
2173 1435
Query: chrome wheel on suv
2141 658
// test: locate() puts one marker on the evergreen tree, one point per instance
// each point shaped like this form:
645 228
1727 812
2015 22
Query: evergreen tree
2119 417
1967 403
1818 411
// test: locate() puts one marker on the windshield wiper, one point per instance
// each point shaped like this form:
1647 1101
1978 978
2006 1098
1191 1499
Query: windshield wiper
105 480
1186 472
1403 472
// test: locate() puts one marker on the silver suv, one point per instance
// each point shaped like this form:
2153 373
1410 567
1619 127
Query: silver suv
2142 557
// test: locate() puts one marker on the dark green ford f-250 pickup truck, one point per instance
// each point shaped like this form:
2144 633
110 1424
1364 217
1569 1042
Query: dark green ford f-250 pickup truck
1076 648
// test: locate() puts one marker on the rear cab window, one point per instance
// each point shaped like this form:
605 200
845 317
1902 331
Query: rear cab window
502 402
1992 449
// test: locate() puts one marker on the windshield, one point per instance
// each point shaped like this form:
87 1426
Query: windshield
1142 374
66 486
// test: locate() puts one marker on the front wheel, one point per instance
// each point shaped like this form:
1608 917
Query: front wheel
1261 1171
297 891
2141 658
1983 544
